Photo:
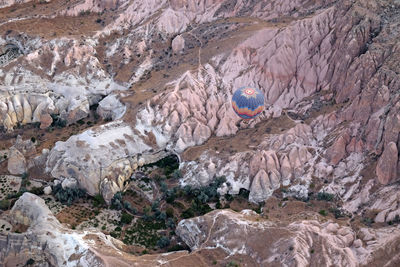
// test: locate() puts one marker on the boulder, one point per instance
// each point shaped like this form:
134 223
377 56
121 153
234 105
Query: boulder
69 183
16 162
45 121
111 108
178 44
47 190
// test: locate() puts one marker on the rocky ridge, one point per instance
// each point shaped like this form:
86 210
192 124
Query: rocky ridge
331 118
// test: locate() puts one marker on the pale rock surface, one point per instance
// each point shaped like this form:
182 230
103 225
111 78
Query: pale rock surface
16 162
102 158
6 3
47 190
111 108
69 183
178 44
200 233
27 95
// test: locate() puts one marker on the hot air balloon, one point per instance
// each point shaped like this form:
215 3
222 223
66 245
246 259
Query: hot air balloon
248 102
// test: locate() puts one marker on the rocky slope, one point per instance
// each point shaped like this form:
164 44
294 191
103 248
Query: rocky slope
164 73
218 233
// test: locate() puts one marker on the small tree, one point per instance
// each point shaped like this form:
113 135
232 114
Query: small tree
170 223
163 186
155 205
170 212
4 204
177 174
203 198
163 242
162 216
126 218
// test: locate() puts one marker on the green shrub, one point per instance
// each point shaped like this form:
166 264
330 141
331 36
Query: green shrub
170 212
116 201
169 164
4 204
325 196
177 174
323 212
176 248
337 213
155 205
126 218
98 200
67 195
30 262
170 223
232 264
163 242
37 191
368 221
244 193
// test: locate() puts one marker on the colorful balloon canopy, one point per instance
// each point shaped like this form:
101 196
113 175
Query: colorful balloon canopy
248 102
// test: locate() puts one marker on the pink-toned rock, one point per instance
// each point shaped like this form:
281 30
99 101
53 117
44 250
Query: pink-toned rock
262 187
45 121
337 151
386 169
178 44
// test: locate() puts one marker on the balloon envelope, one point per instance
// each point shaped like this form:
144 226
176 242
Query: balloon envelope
248 102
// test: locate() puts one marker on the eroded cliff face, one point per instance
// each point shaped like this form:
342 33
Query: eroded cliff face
165 72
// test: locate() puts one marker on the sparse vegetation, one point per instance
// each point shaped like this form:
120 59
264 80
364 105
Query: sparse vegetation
98 201
232 264
396 220
325 196
367 221
4 204
323 212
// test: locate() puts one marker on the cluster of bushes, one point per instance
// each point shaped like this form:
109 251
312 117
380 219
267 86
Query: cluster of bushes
68 195
170 164
117 203
201 196
325 196
396 220
145 230
98 201
145 233
205 194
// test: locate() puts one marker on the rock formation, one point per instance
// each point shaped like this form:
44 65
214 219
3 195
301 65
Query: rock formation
164 72
299 243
